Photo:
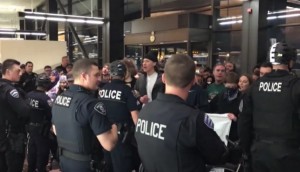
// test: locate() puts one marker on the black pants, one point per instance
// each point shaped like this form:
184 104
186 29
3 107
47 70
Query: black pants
268 157
38 152
120 158
10 161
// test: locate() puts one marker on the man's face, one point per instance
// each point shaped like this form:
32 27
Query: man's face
29 67
105 70
93 78
65 61
48 71
148 65
219 73
264 70
14 73
229 67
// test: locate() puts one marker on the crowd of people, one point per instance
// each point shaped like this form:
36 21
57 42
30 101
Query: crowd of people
117 117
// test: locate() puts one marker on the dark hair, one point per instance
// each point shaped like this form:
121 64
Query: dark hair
218 64
29 62
82 66
70 65
8 64
232 77
267 64
22 66
234 67
130 66
179 70
207 69
47 66
248 77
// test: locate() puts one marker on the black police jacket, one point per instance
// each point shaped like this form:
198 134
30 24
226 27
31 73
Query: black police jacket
119 101
173 136
41 116
75 113
13 108
270 110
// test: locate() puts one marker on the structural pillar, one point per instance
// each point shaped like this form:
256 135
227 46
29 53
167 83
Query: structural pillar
113 30
52 26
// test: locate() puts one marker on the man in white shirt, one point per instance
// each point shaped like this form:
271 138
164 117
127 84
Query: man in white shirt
149 83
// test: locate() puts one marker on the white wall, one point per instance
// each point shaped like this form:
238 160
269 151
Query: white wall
41 53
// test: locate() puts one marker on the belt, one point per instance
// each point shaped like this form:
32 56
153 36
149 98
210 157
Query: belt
34 124
74 156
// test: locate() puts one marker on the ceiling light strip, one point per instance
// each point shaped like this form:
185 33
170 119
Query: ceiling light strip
63 18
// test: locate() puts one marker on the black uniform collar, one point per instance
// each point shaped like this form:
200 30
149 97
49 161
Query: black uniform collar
170 98
277 73
117 81
7 81
78 88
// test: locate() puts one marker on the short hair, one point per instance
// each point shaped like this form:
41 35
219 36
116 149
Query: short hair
64 57
82 66
22 66
8 64
267 64
218 64
232 77
47 66
28 62
180 70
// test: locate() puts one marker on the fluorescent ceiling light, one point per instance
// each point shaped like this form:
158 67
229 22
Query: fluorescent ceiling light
231 22
56 19
63 18
19 32
289 15
35 17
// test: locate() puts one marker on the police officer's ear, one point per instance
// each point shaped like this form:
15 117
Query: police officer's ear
163 78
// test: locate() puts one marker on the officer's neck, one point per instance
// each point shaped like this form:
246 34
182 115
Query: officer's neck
280 67
180 92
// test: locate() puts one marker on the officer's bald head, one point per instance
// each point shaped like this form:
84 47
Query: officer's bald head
82 66
179 70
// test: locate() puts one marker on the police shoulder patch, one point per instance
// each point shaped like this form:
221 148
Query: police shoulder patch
14 93
99 107
208 122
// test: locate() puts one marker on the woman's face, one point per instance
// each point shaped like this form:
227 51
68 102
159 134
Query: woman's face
244 83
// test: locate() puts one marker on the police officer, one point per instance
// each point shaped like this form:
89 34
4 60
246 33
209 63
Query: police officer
171 135
78 117
269 125
39 125
122 109
28 78
14 111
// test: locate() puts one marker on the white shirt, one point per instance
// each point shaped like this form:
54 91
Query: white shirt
151 79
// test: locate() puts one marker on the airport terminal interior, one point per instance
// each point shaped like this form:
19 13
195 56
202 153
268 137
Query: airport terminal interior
210 31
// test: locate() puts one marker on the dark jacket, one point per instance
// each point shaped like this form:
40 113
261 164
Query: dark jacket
141 84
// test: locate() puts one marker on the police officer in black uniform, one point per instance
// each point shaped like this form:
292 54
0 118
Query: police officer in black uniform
39 125
269 125
122 109
78 117
28 78
14 112
171 135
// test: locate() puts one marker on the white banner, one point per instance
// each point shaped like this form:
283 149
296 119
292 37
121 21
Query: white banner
221 124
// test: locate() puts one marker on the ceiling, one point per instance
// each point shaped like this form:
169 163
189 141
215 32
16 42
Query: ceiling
9 8
9 11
